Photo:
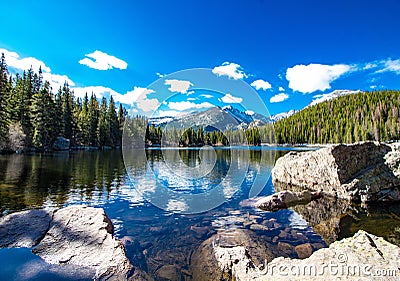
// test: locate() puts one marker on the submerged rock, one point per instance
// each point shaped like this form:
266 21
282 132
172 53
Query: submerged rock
326 216
367 172
215 257
286 199
356 258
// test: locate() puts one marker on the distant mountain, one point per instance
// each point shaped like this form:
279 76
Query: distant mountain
226 118
229 117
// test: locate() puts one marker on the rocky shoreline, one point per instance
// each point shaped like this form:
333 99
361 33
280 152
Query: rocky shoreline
81 237
361 257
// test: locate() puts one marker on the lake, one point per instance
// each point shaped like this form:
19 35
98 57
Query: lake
167 202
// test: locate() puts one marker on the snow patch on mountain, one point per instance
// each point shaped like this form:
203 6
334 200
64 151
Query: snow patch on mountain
282 115
332 95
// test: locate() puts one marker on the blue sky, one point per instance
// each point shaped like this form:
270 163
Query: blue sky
295 50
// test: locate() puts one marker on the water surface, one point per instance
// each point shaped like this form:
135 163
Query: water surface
156 237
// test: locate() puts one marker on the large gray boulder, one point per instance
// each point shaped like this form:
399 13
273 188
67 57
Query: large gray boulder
367 172
82 236
24 229
78 237
361 257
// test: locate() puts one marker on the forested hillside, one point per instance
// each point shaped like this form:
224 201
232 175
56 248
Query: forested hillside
32 115
351 118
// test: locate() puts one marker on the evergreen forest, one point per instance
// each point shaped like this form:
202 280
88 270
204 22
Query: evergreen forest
33 116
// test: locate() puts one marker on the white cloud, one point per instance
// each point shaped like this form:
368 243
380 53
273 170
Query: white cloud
230 69
185 105
314 77
137 97
191 99
167 113
140 100
261 84
249 112
160 75
56 80
279 98
100 91
228 98
178 86
207 96
369 66
391 65
281 89
102 61
15 61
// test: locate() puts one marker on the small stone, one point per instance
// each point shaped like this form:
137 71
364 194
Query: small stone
282 234
285 248
200 231
186 272
304 250
317 246
247 224
277 225
157 229
168 272
255 218
258 227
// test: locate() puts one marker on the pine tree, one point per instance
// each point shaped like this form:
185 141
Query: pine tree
42 119
122 113
84 121
93 116
103 129
67 107
4 88
113 124
58 114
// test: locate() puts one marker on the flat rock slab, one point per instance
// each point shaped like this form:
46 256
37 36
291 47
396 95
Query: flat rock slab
24 229
82 236
285 199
